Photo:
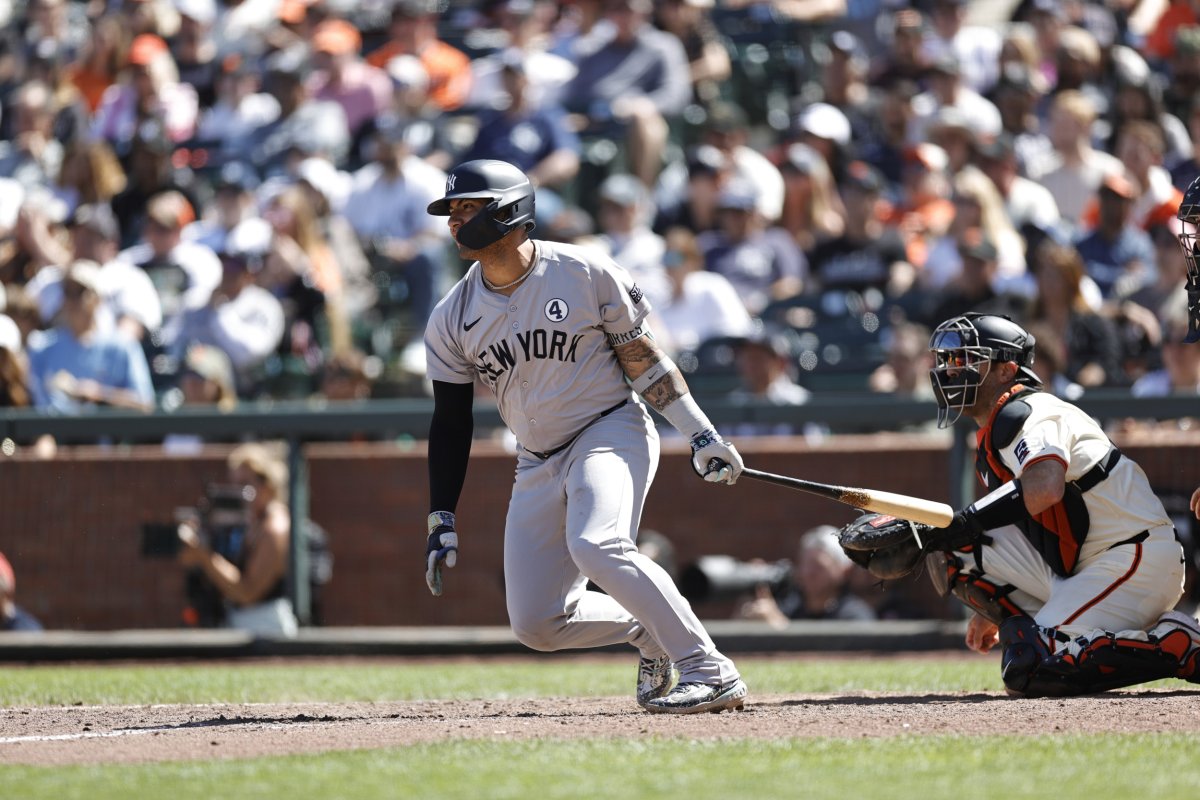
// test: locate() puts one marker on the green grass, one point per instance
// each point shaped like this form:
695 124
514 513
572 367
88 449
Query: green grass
1124 767
296 681
1157 766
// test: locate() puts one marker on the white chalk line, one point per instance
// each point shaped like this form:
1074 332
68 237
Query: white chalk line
71 737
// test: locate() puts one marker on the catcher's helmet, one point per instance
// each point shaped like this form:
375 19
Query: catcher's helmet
508 189
1189 215
964 349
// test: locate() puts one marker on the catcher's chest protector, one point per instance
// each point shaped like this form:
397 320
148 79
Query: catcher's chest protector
1058 532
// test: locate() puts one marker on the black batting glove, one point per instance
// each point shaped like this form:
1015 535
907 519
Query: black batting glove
441 547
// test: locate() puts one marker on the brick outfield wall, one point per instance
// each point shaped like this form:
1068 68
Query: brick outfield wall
71 526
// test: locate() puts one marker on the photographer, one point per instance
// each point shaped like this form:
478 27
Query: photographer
247 562
819 586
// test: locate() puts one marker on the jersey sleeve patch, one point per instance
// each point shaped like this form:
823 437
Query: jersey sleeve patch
635 294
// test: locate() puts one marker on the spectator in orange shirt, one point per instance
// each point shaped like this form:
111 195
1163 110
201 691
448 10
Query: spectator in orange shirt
924 211
363 91
413 31
1161 41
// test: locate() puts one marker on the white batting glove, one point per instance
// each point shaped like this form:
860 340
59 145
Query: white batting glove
715 459
441 547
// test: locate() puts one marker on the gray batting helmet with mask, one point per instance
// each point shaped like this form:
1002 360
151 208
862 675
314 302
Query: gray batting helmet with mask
508 189
963 350
1189 215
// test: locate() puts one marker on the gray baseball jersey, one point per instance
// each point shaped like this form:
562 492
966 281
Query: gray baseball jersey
546 351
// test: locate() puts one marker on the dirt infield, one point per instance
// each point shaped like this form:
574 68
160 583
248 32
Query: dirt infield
127 734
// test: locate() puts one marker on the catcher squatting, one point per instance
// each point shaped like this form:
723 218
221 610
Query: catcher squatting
1070 562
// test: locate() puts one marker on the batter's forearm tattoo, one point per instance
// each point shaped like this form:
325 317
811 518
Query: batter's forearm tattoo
639 357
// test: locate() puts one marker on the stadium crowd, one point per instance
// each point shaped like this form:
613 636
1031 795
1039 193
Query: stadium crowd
205 200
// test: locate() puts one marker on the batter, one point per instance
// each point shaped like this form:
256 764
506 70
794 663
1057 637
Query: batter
558 333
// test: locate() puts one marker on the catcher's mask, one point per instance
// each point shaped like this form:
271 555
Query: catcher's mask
1189 217
963 351
508 189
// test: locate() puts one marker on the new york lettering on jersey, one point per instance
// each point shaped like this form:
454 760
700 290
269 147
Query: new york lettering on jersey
499 356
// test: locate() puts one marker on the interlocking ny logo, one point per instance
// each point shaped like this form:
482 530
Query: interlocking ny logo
450 179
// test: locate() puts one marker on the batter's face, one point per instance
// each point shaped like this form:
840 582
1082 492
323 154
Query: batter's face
461 212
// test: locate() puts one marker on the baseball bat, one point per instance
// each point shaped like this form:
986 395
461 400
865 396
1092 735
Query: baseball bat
903 506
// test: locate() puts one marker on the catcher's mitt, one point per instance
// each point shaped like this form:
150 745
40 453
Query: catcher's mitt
886 546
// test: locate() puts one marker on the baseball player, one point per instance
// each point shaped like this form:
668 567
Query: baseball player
1070 562
1189 215
558 333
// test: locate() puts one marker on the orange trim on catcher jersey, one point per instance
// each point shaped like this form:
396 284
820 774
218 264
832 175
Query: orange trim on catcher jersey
1137 560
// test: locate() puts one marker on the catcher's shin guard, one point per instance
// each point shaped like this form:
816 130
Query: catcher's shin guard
1030 668
988 599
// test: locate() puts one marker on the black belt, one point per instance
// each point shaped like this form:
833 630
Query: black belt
1098 473
567 443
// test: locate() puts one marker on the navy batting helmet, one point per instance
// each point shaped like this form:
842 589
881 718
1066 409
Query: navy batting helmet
507 188
964 348
1189 215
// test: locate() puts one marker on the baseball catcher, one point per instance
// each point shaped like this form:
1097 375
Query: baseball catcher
1070 562
1189 215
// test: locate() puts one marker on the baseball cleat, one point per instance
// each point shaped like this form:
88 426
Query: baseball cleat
1169 631
655 676
693 698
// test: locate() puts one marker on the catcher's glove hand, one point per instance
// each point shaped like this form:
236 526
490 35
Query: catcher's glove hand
886 546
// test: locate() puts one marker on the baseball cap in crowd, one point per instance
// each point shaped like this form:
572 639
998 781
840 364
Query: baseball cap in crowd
1020 78
844 42
704 159
997 148
10 334
291 62
1119 185
85 273
145 48
623 190
862 176
336 37
99 219
825 122
170 211
802 159
407 70
771 338
202 11
738 195
1079 44
210 363
946 64
237 175
248 243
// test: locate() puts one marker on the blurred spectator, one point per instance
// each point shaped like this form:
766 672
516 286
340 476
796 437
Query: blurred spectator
765 360
812 207
532 136
1188 169
952 132
1175 15
843 77
702 305
1183 72
233 201
906 371
1050 360
12 616
817 588
341 76
903 58
429 131
687 191
14 372
974 289
977 204
868 253
1119 254
1169 288
1138 96
386 208
1092 346
975 47
348 375
691 23
303 273
37 237
924 211
624 221
183 273
151 170
130 302
305 123
762 263
150 92
239 106
34 157
102 59
246 563
56 22
523 28
1075 170
206 378
1017 96
728 130
413 31
825 129
195 49
90 173
76 364
947 90
1140 148
887 142
629 86
1180 372
1028 204
240 318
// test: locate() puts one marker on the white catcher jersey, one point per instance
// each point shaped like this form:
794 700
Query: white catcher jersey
546 351
1119 507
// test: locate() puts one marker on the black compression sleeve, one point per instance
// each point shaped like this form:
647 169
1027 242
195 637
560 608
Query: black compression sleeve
450 433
